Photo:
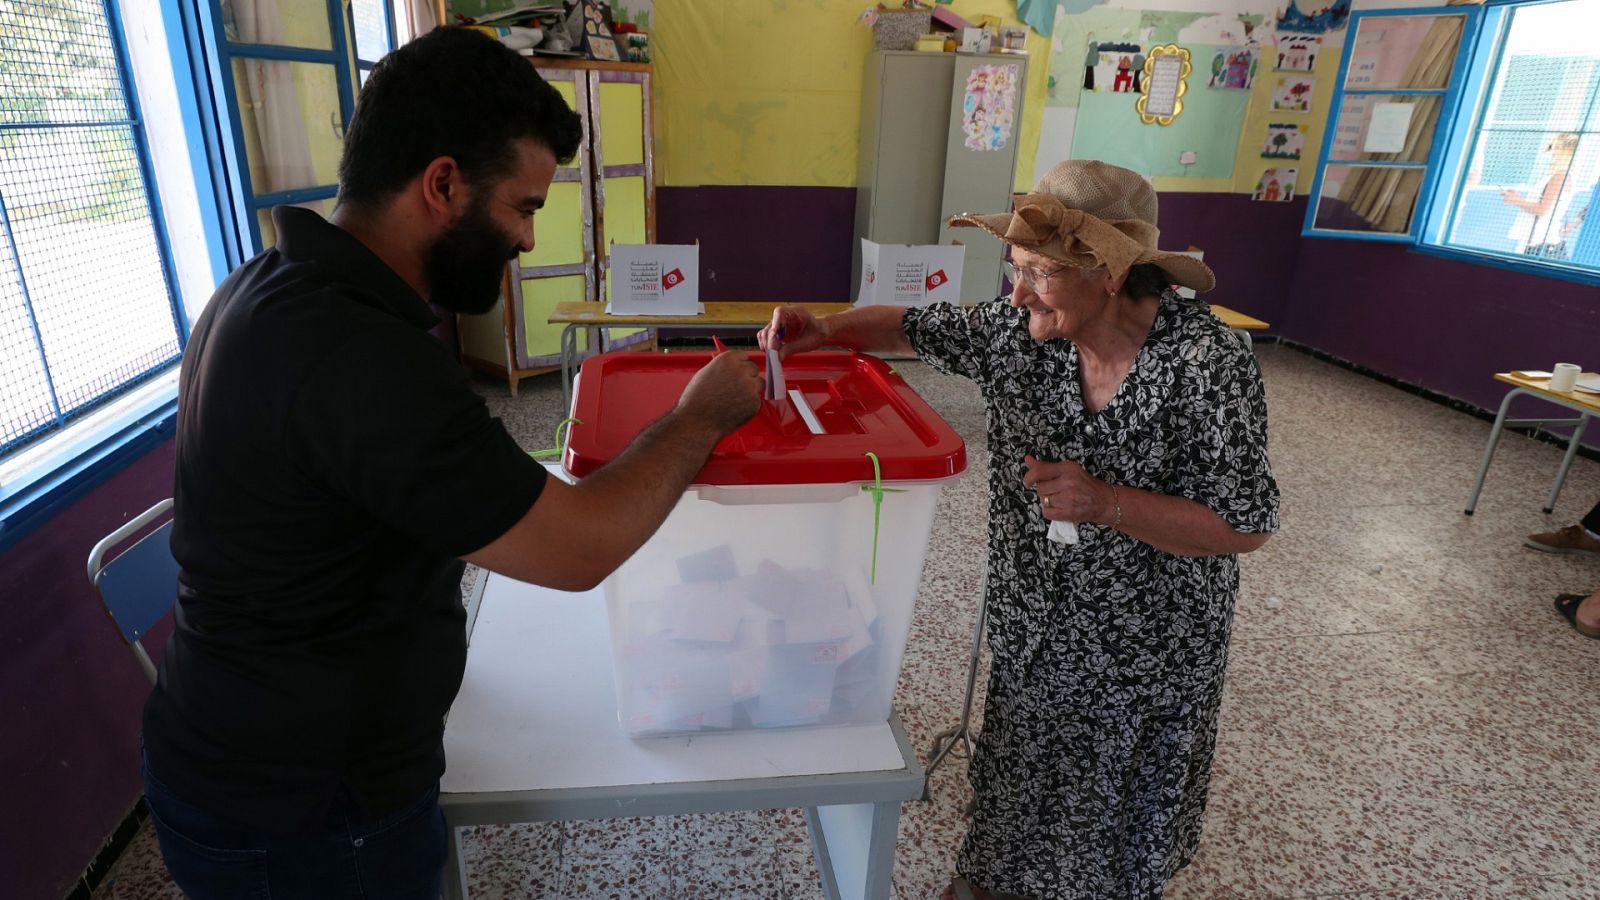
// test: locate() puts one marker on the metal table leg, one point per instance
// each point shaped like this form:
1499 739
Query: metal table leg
1566 463
455 868
946 740
569 355
1488 451
854 847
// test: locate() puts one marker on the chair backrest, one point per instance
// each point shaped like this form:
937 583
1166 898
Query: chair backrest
139 585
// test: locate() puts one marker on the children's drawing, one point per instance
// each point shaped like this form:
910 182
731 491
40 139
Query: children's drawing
988 108
1233 68
1113 68
1298 52
1276 185
1293 94
1283 142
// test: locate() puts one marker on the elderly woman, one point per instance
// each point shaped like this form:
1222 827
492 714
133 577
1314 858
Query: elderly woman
1136 416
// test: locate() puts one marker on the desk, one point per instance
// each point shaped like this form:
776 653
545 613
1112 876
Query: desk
533 736
735 314
1586 405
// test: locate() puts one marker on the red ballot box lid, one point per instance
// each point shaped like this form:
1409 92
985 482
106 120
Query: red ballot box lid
861 404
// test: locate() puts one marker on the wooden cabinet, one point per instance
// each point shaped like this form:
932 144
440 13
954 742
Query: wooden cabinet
605 195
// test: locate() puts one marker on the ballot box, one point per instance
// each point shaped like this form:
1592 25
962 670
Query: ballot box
780 590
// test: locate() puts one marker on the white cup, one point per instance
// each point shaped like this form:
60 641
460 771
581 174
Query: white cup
1564 377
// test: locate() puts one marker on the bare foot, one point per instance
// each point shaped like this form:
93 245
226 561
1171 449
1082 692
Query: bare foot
1589 613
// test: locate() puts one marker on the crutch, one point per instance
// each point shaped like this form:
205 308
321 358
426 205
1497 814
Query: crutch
945 741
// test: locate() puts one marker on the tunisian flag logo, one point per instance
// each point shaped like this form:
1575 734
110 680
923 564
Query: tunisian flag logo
937 279
672 279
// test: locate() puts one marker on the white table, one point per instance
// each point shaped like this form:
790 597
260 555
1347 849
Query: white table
533 736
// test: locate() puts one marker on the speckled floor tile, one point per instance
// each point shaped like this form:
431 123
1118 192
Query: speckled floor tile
750 874
636 876
507 862
1408 717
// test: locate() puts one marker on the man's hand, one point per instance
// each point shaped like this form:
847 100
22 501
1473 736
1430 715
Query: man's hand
724 394
793 329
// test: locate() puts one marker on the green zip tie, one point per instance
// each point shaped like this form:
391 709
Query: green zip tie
877 490
566 423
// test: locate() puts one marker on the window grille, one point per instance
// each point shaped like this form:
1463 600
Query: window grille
86 305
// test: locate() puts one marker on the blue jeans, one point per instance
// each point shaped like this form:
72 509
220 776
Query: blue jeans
399 856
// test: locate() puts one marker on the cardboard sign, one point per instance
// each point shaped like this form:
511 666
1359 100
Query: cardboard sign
655 280
909 275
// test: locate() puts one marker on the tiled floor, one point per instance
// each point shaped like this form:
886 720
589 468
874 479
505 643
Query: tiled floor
1405 714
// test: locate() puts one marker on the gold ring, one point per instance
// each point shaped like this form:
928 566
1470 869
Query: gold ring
1046 501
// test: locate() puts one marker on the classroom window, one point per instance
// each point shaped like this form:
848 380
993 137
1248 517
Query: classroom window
1532 156
1470 131
87 309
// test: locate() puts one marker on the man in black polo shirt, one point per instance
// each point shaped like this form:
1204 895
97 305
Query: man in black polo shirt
334 468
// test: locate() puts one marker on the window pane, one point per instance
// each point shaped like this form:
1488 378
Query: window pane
269 232
281 23
56 63
1385 127
87 248
1535 158
289 112
1368 198
1404 52
84 283
372 28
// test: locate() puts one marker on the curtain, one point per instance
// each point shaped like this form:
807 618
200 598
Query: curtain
269 99
1386 197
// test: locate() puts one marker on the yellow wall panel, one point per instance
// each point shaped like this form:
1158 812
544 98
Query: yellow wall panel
624 210
539 297
558 228
769 91
621 123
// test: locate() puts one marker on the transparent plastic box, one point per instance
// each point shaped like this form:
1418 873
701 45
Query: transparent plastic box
772 596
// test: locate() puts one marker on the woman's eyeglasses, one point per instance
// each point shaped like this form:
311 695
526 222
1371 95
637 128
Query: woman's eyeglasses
1039 281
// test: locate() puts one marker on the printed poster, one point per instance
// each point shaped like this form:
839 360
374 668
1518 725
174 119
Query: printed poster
989 107
909 275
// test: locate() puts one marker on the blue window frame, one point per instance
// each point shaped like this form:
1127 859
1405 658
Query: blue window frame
284 75
87 306
1499 161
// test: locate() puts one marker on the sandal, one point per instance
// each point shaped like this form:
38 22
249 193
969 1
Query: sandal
1567 606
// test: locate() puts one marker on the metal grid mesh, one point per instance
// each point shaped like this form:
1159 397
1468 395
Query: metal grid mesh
81 272
1536 158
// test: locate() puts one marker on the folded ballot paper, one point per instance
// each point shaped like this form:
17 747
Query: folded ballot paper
774 647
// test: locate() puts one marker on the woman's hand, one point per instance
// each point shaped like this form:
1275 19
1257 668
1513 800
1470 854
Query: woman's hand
793 329
1069 494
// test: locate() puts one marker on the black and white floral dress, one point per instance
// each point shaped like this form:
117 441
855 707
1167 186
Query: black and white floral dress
1100 725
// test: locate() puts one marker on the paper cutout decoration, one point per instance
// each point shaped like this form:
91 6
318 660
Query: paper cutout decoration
1283 142
1114 68
1166 80
1293 94
1233 68
1331 18
1297 52
1276 185
988 109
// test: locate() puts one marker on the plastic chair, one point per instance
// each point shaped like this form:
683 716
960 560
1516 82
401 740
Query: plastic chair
139 585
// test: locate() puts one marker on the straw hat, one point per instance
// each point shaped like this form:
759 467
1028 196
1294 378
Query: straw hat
1087 214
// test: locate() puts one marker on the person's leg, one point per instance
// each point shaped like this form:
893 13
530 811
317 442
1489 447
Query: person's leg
399 856
208 860
1582 539
1591 522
